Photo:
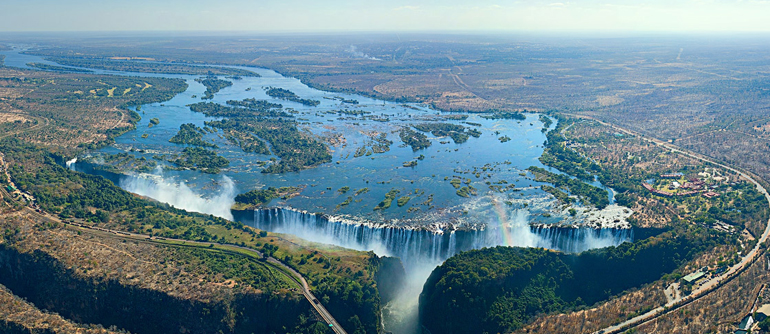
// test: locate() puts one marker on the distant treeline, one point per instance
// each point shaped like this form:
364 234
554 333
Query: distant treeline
49 67
150 67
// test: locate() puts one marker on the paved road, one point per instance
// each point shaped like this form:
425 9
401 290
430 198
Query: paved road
294 276
282 268
712 284
286 270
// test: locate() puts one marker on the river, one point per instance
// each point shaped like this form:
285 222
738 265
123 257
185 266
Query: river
435 224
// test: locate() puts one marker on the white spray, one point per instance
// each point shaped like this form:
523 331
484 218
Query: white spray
180 196
71 163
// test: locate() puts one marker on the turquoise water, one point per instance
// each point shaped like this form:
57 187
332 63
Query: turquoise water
423 236
380 173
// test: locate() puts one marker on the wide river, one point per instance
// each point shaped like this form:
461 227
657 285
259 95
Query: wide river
421 232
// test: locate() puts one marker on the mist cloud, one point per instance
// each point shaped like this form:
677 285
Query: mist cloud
179 195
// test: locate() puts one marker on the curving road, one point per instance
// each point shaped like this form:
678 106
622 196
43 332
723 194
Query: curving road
282 268
711 285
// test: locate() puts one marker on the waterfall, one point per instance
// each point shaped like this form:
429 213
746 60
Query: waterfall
71 162
415 246
421 250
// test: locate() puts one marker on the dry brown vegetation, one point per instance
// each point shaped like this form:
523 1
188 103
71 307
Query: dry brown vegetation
717 312
145 265
708 95
634 302
70 110
640 160
704 96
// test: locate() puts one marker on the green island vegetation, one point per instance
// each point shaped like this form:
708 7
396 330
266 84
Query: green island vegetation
500 289
504 139
547 121
361 151
379 144
122 162
343 100
456 132
497 114
49 67
411 163
297 150
255 104
403 201
213 85
254 109
149 67
389 197
556 154
261 197
346 202
561 196
344 280
414 139
64 117
285 94
153 122
457 181
466 191
587 193
349 199
196 158
352 112
190 134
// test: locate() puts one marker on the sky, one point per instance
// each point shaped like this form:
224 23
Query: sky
390 15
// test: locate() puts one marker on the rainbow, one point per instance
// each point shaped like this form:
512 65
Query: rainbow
502 217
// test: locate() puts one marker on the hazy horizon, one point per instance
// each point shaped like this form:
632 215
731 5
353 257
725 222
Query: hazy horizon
302 16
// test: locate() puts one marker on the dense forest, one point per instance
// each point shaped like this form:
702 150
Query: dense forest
587 193
344 277
495 290
557 155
